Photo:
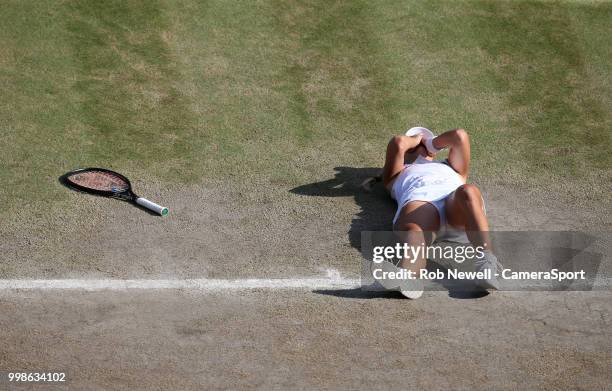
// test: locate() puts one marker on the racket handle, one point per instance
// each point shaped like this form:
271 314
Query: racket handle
161 210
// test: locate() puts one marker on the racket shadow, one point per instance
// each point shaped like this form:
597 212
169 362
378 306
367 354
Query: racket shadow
63 180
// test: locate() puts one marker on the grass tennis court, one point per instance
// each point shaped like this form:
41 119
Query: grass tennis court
255 122
184 90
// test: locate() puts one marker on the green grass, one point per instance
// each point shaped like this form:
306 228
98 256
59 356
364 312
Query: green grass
283 91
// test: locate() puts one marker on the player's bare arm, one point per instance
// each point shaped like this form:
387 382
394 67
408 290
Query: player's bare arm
396 152
458 142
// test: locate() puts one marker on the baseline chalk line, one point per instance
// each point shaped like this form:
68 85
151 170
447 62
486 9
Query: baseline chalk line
204 284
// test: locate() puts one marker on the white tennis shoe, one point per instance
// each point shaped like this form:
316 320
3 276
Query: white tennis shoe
485 264
411 288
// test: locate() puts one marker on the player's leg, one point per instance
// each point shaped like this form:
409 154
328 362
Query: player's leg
465 210
416 225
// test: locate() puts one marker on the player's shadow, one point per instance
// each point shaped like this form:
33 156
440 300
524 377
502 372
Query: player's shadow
376 214
462 292
377 208
457 289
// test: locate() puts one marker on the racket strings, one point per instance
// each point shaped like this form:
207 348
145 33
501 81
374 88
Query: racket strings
99 180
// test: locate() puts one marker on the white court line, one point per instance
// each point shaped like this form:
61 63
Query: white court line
333 281
197 284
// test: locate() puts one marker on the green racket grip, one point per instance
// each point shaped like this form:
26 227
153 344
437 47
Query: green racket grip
160 210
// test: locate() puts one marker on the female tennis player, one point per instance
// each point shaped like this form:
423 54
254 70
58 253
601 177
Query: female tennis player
433 197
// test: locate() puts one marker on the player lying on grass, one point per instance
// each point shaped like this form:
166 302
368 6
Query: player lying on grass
434 198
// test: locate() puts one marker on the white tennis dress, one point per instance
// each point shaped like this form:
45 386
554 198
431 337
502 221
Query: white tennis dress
425 180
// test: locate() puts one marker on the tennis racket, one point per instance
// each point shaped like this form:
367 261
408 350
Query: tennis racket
107 183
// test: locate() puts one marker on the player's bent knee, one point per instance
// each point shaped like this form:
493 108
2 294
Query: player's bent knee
413 233
469 193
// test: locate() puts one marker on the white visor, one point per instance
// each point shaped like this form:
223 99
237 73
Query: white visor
420 130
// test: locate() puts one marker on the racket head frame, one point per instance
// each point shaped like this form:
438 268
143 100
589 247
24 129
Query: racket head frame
126 194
